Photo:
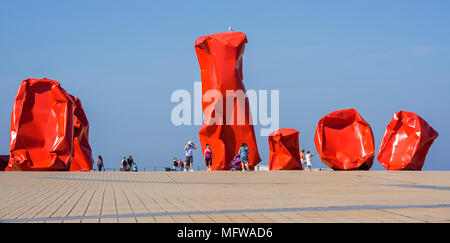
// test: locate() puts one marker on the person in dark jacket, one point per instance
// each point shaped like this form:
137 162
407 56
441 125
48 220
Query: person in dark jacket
130 162
100 163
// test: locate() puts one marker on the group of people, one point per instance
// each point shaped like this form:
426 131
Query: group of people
128 164
239 162
208 155
177 164
188 164
305 158
125 164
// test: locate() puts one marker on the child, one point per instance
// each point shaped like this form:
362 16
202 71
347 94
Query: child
175 163
134 167
243 153
302 157
236 163
181 165
308 159
208 155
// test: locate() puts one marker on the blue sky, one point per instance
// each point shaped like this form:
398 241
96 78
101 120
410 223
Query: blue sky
125 58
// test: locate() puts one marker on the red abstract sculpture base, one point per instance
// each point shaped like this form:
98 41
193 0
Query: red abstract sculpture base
284 150
406 142
220 59
344 141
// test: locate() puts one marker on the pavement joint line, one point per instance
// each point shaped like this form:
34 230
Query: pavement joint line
160 182
402 215
224 183
442 188
240 211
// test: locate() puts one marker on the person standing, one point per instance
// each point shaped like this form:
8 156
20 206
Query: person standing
123 164
243 153
130 163
302 157
208 155
189 162
100 163
308 156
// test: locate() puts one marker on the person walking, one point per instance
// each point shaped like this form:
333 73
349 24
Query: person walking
99 163
308 156
189 162
208 155
243 153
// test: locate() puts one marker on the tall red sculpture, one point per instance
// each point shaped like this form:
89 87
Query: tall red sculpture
82 153
344 141
42 137
406 142
284 150
220 58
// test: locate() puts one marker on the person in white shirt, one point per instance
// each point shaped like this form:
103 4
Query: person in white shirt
308 156
189 158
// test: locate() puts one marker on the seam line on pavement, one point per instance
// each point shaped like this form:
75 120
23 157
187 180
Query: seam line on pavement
442 188
271 210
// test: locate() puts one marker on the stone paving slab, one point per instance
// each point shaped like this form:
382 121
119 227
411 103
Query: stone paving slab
225 197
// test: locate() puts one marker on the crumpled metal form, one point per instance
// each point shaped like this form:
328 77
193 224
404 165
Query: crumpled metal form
406 142
49 130
82 153
220 58
4 159
41 127
344 141
284 150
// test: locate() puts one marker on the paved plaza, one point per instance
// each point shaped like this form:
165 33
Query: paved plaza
225 196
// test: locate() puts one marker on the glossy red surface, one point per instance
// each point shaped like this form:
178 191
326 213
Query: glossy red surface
406 142
284 150
41 127
220 58
82 153
344 141
49 129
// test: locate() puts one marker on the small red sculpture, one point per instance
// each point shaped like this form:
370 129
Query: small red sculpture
406 142
284 150
344 141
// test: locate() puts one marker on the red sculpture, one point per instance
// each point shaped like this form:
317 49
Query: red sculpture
82 153
42 129
406 142
220 59
284 150
344 141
